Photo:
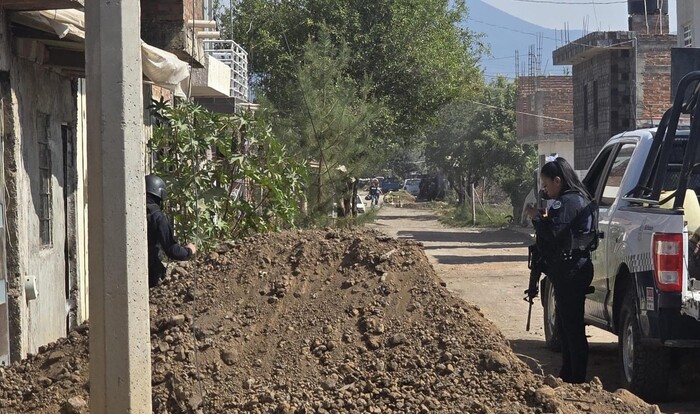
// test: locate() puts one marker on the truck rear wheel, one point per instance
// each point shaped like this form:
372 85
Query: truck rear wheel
644 367
552 336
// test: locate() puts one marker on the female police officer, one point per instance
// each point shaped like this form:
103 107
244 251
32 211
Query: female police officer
565 235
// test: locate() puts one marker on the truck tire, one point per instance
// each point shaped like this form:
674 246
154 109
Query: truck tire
552 336
645 368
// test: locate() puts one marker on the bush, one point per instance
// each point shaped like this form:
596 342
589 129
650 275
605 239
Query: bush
227 176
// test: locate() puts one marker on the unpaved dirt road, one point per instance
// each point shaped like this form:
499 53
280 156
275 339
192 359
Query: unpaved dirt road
488 267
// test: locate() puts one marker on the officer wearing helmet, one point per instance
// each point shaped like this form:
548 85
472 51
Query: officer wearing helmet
160 233
374 192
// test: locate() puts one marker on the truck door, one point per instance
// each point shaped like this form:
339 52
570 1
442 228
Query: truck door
604 181
614 231
595 182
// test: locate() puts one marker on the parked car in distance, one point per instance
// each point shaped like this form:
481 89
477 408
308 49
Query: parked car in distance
390 184
412 186
360 205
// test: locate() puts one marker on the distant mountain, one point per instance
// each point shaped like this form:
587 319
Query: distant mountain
505 34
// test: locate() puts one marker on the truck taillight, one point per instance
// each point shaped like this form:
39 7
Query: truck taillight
668 261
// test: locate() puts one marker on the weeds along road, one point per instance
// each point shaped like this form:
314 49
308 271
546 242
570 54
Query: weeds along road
488 268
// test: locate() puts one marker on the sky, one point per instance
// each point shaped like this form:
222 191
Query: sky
555 14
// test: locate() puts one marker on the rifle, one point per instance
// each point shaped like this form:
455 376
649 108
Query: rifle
534 263
529 313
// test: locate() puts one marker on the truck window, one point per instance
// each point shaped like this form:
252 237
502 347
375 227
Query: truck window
595 173
617 171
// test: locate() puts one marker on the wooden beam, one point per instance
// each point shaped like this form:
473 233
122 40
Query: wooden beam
41 4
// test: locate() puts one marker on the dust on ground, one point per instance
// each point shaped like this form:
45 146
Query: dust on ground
327 321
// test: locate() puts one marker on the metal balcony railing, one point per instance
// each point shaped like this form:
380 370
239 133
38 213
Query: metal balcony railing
232 54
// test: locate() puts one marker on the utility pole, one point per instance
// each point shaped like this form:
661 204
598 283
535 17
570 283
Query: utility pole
120 351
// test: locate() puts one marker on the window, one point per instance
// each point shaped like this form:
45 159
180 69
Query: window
593 177
688 35
585 107
617 171
595 104
45 191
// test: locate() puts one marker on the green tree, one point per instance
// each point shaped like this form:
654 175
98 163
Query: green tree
513 172
476 139
328 119
412 51
227 176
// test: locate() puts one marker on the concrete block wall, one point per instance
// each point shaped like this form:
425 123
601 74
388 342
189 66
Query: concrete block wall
650 24
620 90
35 90
546 97
602 102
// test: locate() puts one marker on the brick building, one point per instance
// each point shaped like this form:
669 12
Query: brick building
621 80
545 114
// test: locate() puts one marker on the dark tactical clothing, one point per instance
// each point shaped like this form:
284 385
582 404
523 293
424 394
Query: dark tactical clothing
374 192
161 241
566 236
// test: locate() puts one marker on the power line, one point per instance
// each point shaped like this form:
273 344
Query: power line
500 58
521 112
500 75
550 38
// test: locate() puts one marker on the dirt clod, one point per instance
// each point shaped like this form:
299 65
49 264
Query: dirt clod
303 322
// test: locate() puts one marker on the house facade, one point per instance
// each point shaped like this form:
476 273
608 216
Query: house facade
38 121
688 20
544 114
621 80
43 167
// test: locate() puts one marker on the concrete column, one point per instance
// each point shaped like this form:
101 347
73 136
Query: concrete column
120 362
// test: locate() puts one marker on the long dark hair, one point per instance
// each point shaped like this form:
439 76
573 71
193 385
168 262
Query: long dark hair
569 180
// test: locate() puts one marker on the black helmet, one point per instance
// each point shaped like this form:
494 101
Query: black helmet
155 186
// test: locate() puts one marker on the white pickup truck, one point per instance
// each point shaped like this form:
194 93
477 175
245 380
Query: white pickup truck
647 264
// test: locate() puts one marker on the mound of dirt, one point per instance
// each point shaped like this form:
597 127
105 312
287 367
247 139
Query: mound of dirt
314 322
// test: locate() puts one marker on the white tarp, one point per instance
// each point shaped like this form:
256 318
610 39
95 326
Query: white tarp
161 67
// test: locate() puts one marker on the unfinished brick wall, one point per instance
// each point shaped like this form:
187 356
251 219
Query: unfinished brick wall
654 77
546 97
194 10
171 10
164 24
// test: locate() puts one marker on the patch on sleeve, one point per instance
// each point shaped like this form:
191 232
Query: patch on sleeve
650 298
556 205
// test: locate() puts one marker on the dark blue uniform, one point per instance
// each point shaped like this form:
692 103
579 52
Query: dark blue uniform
565 237
161 239
374 192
